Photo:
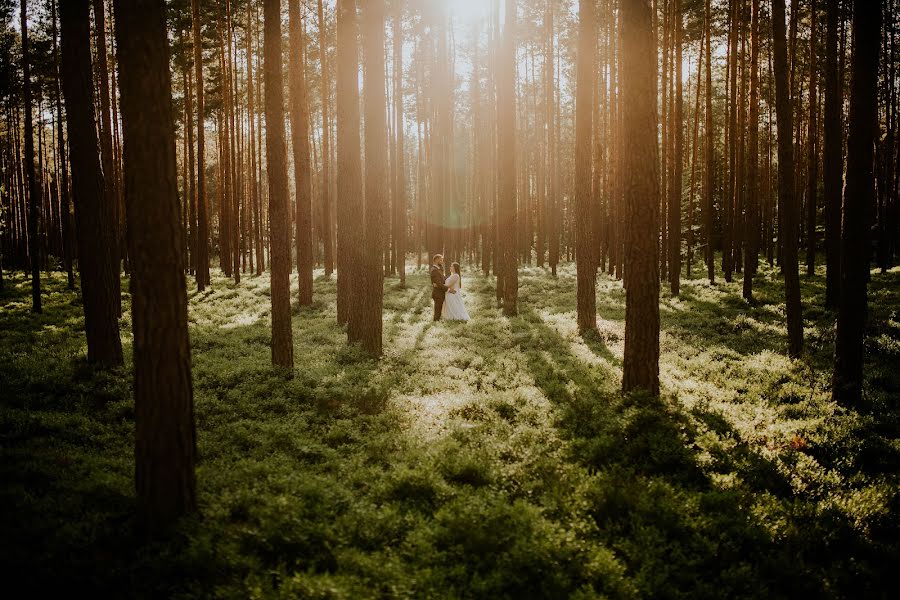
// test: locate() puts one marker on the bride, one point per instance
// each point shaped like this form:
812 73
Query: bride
454 308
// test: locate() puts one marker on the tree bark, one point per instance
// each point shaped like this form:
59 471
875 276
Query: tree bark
98 271
279 211
202 239
858 202
833 159
507 221
349 169
641 192
165 444
34 248
586 270
812 172
302 166
376 174
751 252
789 211
674 204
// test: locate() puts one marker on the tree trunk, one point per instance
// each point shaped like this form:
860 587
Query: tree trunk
202 240
506 101
751 252
399 201
833 159
858 202
98 271
302 166
674 204
279 211
349 169
34 248
788 209
812 173
641 187
165 445
376 174
584 261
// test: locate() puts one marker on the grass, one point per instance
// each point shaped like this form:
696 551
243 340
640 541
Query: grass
494 459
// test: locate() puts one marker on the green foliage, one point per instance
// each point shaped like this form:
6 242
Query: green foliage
494 459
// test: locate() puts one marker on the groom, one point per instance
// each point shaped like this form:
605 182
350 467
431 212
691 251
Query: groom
438 289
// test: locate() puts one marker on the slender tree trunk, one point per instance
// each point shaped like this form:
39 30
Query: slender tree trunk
202 241
812 173
279 196
65 200
302 166
165 446
98 272
833 166
751 253
788 211
674 204
34 248
327 229
641 187
507 221
400 201
584 262
849 349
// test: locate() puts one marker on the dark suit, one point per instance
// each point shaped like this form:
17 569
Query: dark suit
438 290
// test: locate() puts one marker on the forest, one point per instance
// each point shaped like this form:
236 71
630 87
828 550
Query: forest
349 299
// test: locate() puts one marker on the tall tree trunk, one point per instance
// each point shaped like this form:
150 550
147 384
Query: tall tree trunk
98 272
399 200
858 203
327 229
788 209
114 220
584 261
279 196
507 221
674 204
751 252
165 445
202 240
376 175
833 159
641 192
302 166
349 169
812 173
65 200
34 248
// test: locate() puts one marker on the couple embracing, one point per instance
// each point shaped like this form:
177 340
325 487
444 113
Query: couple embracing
447 293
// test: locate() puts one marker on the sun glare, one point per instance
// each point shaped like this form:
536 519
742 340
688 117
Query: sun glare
468 10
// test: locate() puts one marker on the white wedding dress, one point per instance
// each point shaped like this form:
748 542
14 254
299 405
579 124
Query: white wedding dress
454 307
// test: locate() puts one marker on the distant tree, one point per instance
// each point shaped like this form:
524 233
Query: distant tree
327 228
93 214
674 204
302 165
34 195
812 157
507 208
709 217
165 446
858 202
833 160
641 192
279 213
398 233
202 240
788 209
751 253
585 264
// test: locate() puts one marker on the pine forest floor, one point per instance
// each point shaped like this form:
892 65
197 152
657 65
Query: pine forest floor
494 459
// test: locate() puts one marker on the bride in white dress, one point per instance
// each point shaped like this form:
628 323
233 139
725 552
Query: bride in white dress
454 307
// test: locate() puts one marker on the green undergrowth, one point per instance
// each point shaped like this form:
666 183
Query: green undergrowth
494 459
